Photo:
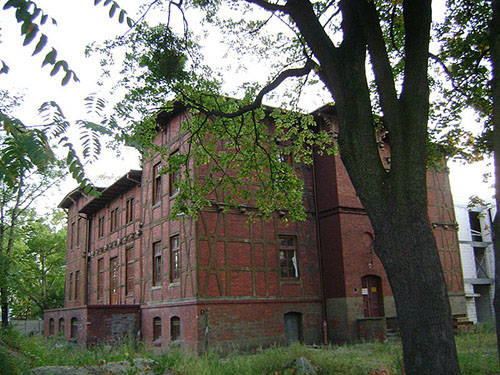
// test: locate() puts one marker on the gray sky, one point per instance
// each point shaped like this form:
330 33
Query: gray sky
80 23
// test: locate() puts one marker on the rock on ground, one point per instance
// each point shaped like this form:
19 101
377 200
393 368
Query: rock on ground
304 367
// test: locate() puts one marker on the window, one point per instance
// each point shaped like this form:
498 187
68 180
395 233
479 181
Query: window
61 326
74 328
100 228
100 278
129 210
77 285
175 259
129 270
288 256
113 220
173 179
70 286
78 230
156 184
51 327
157 263
72 236
113 281
175 328
285 158
156 328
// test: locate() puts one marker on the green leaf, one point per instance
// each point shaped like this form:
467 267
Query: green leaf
11 3
5 68
41 43
66 78
56 68
121 17
107 2
43 19
112 10
130 22
31 34
50 58
97 2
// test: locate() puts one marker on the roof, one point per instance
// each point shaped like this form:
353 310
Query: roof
72 196
124 183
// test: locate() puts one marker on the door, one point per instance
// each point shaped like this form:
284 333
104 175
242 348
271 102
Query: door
293 327
113 280
373 300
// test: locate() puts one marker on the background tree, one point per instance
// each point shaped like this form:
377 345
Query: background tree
38 265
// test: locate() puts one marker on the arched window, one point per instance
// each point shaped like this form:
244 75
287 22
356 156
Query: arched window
51 326
156 328
293 327
61 326
373 298
74 328
175 328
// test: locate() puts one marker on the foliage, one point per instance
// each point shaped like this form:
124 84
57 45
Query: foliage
476 354
37 267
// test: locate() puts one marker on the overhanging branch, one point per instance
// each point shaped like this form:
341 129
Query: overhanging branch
269 6
296 72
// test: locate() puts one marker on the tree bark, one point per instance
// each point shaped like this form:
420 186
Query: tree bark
494 39
396 201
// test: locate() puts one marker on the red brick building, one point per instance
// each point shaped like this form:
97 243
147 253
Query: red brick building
223 281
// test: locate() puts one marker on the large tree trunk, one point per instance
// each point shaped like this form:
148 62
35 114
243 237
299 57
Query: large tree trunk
405 244
4 303
396 201
494 39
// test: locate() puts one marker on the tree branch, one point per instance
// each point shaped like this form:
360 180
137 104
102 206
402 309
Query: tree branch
269 6
297 72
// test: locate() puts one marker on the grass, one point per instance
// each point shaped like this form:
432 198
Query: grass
19 354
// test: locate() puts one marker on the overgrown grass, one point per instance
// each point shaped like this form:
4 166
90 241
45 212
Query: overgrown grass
18 354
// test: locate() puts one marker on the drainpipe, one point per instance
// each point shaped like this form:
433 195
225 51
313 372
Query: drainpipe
87 259
320 258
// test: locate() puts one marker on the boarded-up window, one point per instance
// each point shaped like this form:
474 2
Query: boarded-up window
288 256
157 263
100 278
175 258
129 270
156 328
175 328
156 184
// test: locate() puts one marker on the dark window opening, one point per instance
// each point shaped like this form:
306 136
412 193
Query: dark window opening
51 326
129 210
175 328
129 270
74 328
61 326
475 226
156 184
157 263
156 328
